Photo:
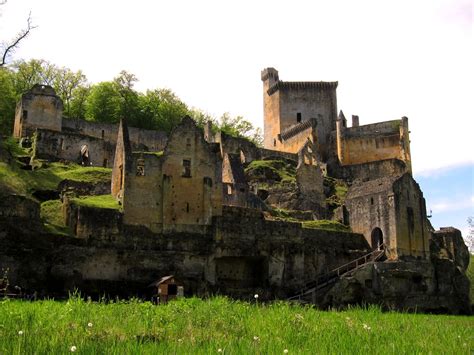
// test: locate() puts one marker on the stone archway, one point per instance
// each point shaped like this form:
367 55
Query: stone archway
376 239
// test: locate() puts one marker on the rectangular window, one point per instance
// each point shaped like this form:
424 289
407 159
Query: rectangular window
186 168
298 117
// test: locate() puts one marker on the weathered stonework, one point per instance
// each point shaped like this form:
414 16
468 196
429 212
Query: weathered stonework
391 211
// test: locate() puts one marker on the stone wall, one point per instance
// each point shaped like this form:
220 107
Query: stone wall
178 190
393 209
374 142
370 170
141 139
53 145
39 107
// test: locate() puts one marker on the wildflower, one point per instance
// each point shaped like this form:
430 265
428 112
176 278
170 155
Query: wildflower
256 296
285 351
366 327
180 340
256 338
219 350
73 348
89 325
20 332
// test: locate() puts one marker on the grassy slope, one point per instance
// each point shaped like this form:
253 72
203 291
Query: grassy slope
52 217
193 326
48 176
285 171
98 201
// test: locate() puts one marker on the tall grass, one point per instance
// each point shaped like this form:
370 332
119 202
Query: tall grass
193 325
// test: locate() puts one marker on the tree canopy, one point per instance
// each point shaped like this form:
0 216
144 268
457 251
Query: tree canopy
108 101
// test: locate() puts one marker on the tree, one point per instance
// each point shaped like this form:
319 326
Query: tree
104 103
66 83
8 48
162 110
8 100
130 107
470 237
239 127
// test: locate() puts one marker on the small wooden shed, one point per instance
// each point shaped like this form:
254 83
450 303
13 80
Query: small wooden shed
167 288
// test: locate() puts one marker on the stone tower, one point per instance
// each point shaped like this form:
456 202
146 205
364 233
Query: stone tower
296 111
39 107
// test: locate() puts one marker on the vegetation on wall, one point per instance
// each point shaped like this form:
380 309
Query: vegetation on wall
275 171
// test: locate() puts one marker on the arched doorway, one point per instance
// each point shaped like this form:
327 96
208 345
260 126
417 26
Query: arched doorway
377 239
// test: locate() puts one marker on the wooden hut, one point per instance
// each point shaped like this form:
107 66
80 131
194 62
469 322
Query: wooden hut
167 288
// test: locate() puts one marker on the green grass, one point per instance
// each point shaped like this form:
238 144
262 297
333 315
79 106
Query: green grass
48 176
52 217
98 201
326 225
194 326
284 172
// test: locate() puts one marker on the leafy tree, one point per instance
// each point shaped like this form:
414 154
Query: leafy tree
104 103
162 110
66 83
8 100
78 102
29 73
130 107
239 127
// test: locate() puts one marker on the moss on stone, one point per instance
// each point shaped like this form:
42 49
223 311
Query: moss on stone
98 201
52 217
276 170
326 225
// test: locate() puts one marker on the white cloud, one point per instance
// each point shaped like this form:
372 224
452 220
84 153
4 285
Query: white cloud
452 205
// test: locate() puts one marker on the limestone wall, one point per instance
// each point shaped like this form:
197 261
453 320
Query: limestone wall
39 107
373 142
412 227
143 192
141 139
55 145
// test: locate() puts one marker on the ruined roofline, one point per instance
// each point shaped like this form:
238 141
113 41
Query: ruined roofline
372 187
295 129
379 129
284 85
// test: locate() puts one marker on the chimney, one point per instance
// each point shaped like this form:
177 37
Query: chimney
355 121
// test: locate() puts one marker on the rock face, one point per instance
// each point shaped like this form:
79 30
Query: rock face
439 285
420 286
448 244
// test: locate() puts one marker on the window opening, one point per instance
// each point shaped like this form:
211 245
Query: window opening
298 117
186 168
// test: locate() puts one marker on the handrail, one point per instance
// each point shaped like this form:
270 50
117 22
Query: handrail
341 270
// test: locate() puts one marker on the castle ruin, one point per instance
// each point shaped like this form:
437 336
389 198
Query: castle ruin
206 206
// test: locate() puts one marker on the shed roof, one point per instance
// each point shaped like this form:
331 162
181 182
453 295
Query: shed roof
160 281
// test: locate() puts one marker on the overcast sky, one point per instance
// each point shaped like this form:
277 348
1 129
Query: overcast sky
391 58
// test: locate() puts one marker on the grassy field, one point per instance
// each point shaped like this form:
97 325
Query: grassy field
192 326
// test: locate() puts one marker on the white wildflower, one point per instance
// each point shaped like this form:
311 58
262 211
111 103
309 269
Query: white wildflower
219 350
285 351
73 348
256 296
180 340
366 327
20 332
89 325
256 338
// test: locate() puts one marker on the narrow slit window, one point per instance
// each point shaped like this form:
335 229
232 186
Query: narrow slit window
186 168
298 117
